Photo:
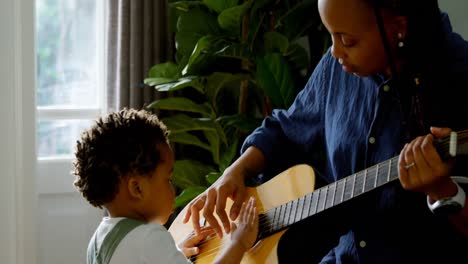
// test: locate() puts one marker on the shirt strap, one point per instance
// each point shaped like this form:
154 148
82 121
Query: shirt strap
110 242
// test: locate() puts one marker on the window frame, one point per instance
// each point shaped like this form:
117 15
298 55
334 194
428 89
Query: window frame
50 170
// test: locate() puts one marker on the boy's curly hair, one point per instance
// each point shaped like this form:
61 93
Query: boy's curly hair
120 143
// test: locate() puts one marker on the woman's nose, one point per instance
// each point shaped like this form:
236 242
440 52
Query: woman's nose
336 49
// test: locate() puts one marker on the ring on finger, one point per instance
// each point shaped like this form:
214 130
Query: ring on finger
409 165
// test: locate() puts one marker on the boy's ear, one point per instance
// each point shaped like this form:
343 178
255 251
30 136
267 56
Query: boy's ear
134 188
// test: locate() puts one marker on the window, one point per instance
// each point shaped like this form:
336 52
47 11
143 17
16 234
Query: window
70 41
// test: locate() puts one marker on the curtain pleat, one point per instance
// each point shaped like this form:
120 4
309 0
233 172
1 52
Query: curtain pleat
138 38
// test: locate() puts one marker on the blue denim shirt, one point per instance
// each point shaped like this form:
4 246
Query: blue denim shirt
358 122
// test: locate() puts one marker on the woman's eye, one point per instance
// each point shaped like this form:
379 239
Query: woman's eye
347 42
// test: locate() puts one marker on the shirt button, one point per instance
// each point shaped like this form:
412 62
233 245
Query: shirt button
372 140
386 88
362 243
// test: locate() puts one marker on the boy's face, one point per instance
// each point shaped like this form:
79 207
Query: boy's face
159 199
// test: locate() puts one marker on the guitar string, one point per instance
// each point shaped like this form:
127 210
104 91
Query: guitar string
264 219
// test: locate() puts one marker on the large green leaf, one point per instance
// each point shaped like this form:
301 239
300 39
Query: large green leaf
220 5
243 123
188 139
199 20
182 104
183 123
186 41
216 81
185 6
231 19
214 54
275 42
190 173
162 73
157 81
228 154
299 19
166 70
298 56
192 25
212 177
188 194
275 78
184 82
214 142
199 56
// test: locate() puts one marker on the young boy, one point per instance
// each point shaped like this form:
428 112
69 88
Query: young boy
124 163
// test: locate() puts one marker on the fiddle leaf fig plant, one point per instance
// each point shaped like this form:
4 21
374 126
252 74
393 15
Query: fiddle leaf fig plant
234 62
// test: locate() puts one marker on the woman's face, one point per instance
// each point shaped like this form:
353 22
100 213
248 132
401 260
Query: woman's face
357 43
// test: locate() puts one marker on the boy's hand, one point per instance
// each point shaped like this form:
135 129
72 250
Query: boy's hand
246 230
189 244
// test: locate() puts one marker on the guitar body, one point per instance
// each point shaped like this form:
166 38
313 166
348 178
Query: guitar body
291 184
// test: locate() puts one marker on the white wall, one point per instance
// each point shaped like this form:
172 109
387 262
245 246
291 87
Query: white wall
17 158
457 10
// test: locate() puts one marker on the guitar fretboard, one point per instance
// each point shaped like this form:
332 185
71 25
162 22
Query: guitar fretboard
328 196
279 218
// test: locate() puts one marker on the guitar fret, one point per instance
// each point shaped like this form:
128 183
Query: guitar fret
358 184
292 215
364 181
348 190
334 194
382 177
307 204
339 192
300 208
352 186
281 216
376 175
369 183
330 197
315 199
271 214
389 170
322 198
276 218
394 170
344 189
287 213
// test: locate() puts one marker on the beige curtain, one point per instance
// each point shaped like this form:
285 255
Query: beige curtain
138 38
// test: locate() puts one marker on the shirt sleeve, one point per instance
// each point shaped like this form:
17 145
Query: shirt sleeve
288 134
160 247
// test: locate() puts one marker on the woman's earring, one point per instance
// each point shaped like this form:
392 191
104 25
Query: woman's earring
400 40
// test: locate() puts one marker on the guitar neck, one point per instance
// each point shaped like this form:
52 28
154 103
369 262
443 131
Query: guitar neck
279 218
283 216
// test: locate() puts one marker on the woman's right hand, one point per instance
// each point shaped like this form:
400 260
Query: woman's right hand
231 184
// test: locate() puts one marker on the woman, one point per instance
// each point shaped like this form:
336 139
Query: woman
396 74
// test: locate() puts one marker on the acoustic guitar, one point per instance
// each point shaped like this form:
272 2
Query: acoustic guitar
289 198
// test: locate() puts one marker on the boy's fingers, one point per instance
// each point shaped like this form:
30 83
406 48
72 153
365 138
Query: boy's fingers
191 251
